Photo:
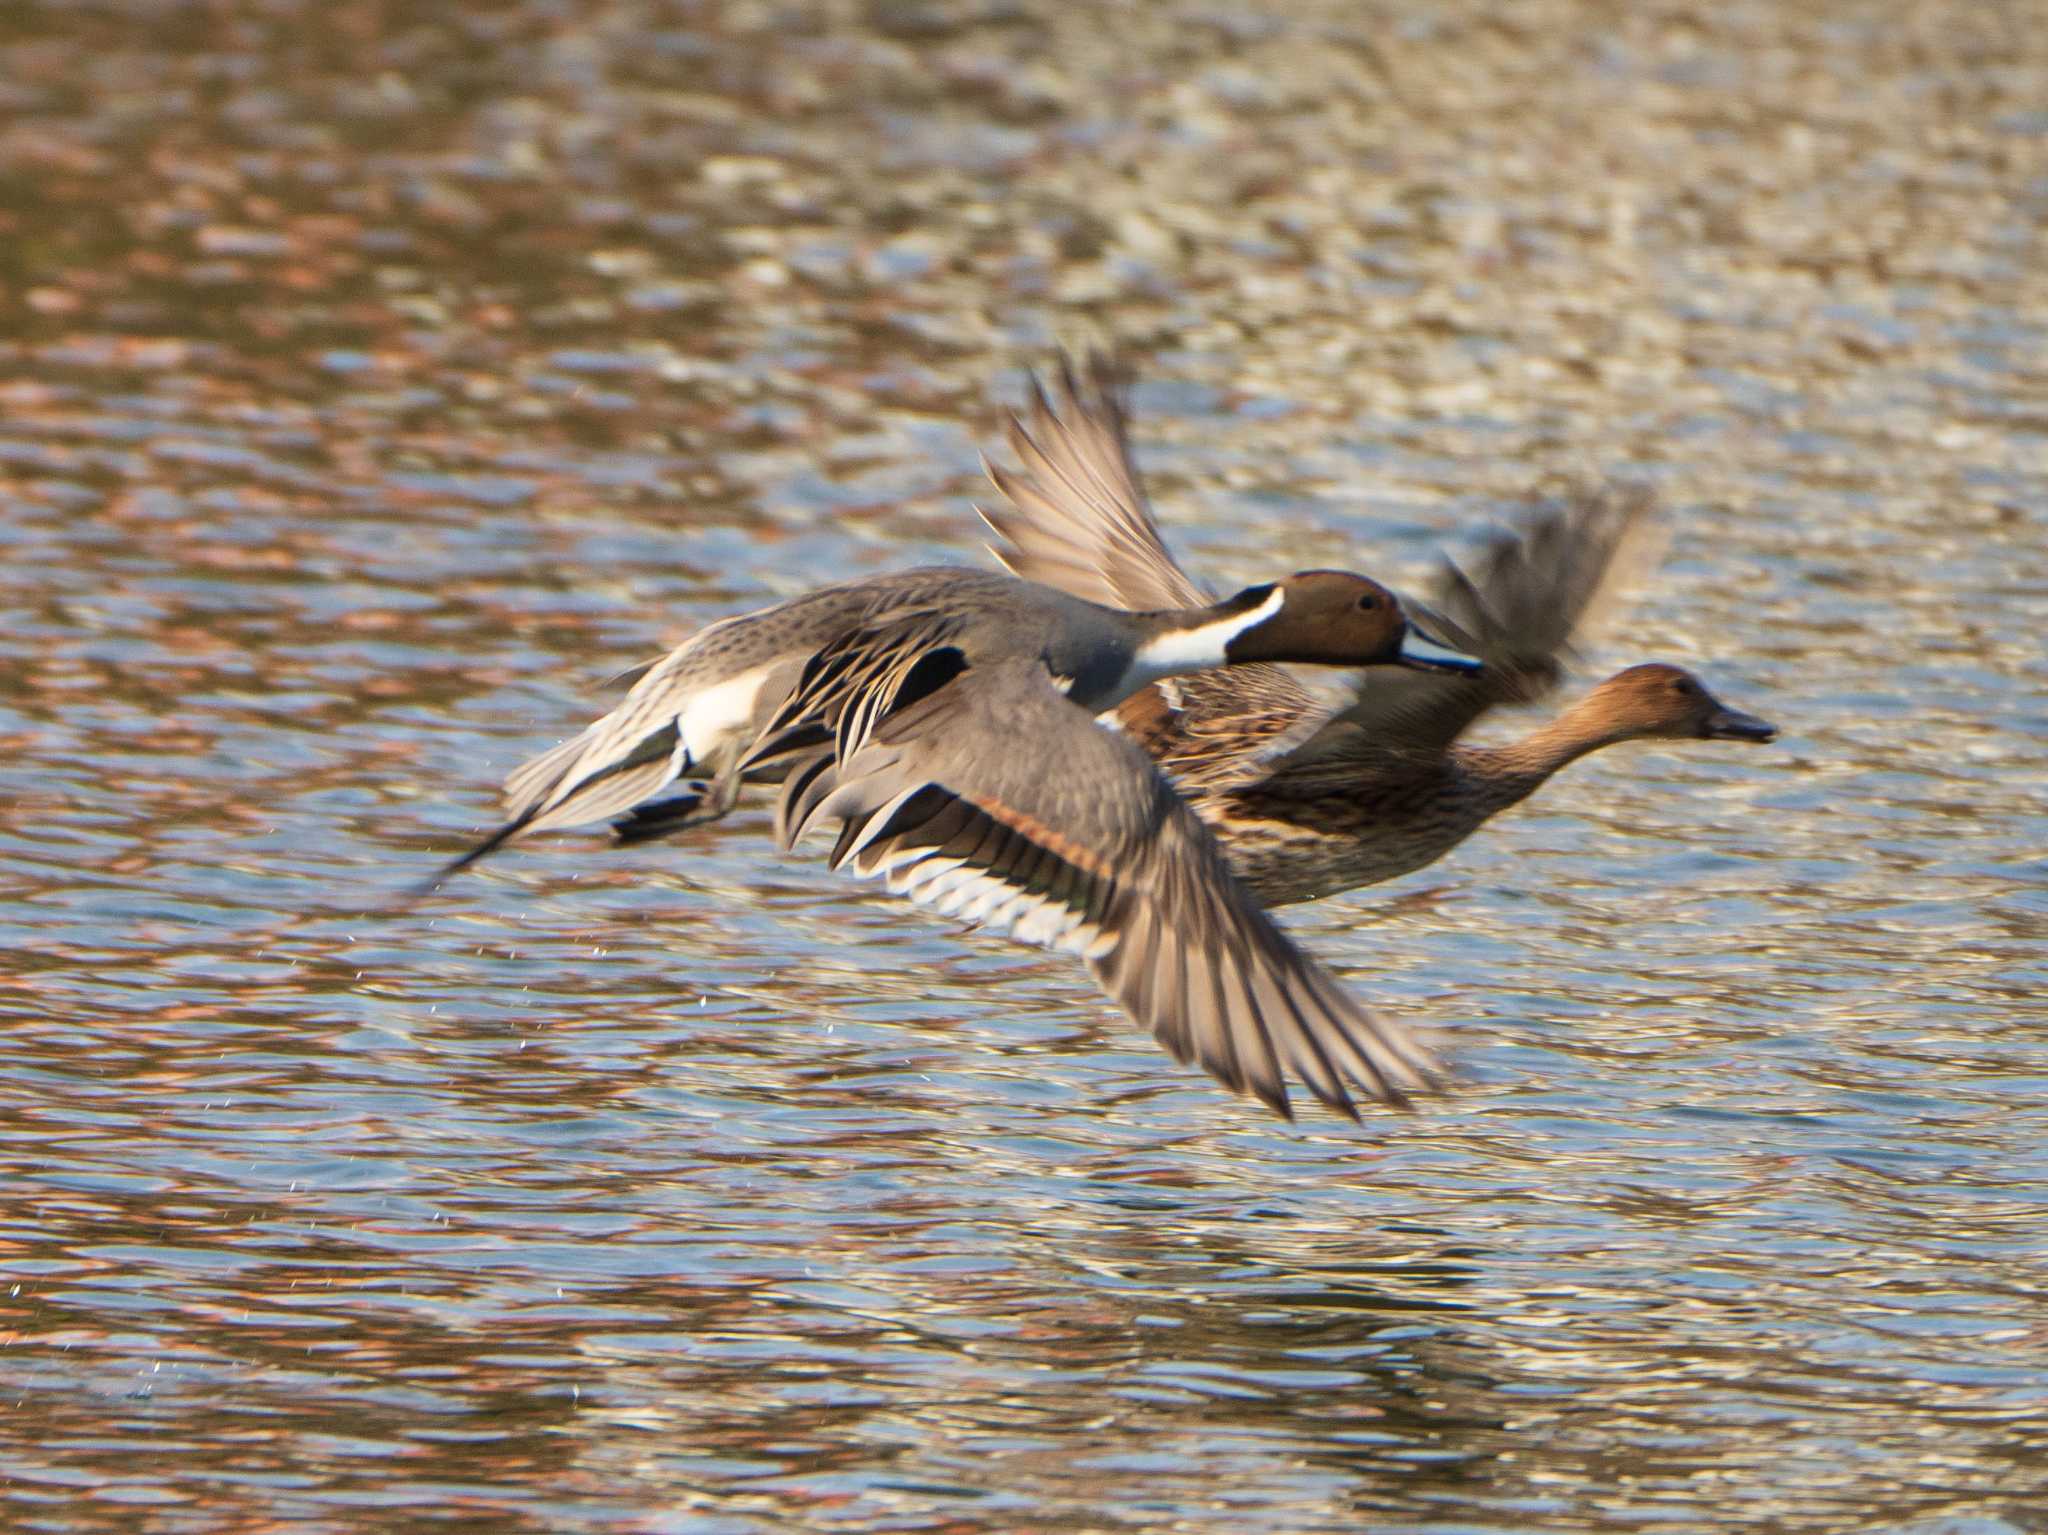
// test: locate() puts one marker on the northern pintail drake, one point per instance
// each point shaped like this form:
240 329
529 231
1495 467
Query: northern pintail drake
1308 798
945 720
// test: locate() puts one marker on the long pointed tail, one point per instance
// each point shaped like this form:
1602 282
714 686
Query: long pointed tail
483 849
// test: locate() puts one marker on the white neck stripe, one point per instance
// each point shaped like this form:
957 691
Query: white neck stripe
1193 650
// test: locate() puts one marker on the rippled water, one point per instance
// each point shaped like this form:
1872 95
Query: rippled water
372 387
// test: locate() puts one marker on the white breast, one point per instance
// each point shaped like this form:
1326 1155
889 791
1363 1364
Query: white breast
714 715
1193 650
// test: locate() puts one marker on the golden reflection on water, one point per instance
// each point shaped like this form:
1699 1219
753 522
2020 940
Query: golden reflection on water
372 387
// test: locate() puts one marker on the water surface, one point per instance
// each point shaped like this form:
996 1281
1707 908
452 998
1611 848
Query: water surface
372 387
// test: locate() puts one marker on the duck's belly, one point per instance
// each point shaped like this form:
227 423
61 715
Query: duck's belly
1305 856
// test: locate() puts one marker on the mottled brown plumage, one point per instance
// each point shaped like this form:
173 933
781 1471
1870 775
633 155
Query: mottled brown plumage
1308 799
1361 810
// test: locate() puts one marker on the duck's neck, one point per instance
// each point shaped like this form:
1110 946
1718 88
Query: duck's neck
1518 769
1194 639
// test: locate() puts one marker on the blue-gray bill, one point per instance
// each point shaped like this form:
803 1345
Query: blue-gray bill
1734 725
1424 654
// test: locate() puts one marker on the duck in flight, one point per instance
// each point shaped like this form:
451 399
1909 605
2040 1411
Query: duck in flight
1307 798
944 720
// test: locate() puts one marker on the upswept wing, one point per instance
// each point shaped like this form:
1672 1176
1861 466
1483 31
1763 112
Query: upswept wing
1079 520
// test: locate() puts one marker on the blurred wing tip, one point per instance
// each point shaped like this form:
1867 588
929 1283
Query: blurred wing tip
1040 404
1274 1096
1344 1105
1063 359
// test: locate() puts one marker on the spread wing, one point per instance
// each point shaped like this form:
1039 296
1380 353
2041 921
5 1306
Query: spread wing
1079 520
1529 591
993 799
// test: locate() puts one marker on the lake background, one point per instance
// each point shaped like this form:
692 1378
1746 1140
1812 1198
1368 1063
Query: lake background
375 380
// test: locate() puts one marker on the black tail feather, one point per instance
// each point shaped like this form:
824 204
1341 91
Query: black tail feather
662 818
483 849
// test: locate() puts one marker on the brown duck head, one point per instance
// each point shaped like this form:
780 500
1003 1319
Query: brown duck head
1656 700
1335 618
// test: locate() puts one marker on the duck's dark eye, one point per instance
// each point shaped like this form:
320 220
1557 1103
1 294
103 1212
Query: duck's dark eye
1367 603
1684 687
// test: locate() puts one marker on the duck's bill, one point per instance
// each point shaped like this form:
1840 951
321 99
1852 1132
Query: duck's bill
1427 655
1734 725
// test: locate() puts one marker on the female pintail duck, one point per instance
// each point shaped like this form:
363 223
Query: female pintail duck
945 719
1309 800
